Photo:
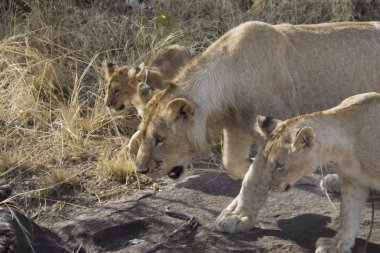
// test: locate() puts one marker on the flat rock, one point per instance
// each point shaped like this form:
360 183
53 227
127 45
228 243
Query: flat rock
19 234
289 222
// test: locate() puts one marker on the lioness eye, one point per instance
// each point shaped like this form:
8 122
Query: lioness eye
159 140
116 92
278 166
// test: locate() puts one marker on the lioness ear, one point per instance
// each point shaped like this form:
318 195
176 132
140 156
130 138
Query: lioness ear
303 139
265 125
109 68
180 108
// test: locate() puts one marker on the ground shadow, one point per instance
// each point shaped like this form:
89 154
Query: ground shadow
213 183
304 230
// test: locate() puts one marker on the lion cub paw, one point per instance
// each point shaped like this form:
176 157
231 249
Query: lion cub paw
327 249
134 144
233 222
331 245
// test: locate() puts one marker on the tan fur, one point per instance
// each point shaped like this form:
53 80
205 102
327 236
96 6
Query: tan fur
125 80
257 68
347 136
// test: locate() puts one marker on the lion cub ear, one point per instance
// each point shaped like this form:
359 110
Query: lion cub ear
180 109
304 139
265 125
109 69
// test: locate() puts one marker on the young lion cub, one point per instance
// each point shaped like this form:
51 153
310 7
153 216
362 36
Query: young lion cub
347 135
130 84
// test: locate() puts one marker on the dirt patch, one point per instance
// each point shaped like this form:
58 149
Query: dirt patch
289 222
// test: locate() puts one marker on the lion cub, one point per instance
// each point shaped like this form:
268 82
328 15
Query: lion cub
347 135
137 85
130 84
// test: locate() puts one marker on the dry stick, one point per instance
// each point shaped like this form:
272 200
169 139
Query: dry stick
190 225
372 218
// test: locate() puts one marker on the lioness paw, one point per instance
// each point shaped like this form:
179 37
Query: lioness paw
232 222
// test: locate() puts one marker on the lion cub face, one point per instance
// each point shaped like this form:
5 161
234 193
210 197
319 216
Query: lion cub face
165 147
285 154
121 84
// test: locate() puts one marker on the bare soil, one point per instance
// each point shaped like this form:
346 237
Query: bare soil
289 222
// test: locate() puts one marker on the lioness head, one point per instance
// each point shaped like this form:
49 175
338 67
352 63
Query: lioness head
166 147
285 154
121 84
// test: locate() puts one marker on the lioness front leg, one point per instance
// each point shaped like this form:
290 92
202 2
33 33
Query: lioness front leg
240 215
353 199
236 152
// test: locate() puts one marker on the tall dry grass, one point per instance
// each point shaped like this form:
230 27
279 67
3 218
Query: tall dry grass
56 133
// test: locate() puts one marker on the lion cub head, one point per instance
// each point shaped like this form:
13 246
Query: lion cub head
124 85
137 84
285 152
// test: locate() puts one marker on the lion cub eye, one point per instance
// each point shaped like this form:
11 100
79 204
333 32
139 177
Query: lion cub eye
158 140
116 92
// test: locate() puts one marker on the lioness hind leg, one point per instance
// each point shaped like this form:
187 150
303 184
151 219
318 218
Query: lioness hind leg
240 215
236 152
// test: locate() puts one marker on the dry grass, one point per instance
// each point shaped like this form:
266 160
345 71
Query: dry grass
59 144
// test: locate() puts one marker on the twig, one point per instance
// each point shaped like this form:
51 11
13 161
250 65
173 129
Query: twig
188 227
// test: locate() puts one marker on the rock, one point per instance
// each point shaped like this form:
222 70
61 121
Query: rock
18 234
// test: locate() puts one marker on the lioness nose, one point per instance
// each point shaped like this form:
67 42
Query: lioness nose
175 172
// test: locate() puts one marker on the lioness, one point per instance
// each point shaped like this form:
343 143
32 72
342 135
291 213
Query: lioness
347 135
137 84
280 70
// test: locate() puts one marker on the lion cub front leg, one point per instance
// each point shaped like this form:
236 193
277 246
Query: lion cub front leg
353 199
134 144
240 215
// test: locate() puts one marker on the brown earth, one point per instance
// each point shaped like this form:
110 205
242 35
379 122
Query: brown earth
289 222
